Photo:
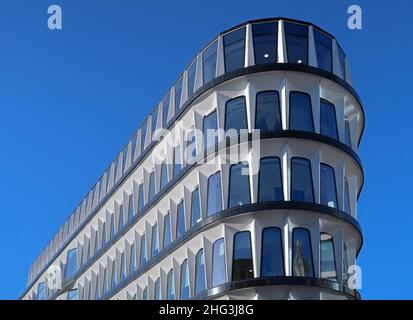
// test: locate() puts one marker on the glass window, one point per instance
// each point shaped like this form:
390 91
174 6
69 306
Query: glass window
236 114
41 288
155 242
302 253
242 266
234 50
328 121
191 79
195 208
154 119
121 223
301 116
170 286
210 130
134 142
141 198
145 295
71 263
180 223
132 258
209 62
152 190
72 295
143 253
272 263
268 114
323 50
270 185
105 281
347 137
167 230
103 235
265 42
218 263
301 180
112 226
239 186
191 148
131 212
327 257
346 197
184 293
342 60
123 267
114 275
164 174
144 130
214 194
178 92
157 293
165 110
345 265
328 186
177 161
296 37
200 272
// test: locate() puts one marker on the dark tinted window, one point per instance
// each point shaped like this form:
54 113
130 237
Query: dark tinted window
155 241
242 266
301 116
268 115
209 62
342 62
167 230
323 50
180 224
239 188
234 50
302 253
191 79
178 92
143 135
301 180
272 263
270 185
347 137
154 120
346 197
236 114
265 42
140 198
328 121
296 37
328 193
165 110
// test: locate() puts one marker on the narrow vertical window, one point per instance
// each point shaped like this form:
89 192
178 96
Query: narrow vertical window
112 226
154 122
132 258
302 253
236 114
178 92
200 272
323 48
145 295
177 161
131 211
154 242
170 285
301 115
234 50
167 230
301 180
346 197
270 185
141 199
114 275
143 253
214 203
121 223
191 79
123 267
157 293
180 222
210 130
164 174
239 186
265 42
41 288
103 235
97 289
328 120
268 114
105 281
328 191
218 263
345 265
152 190
272 262
327 257
144 130
296 37
184 292
165 110
195 207
71 263
242 266
209 62
342 62
347 136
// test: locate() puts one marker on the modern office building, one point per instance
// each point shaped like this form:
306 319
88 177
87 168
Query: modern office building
173 217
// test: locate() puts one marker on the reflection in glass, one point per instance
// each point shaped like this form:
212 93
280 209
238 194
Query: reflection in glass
177 161
301 181
234 50
327 258
164 174
41 288
242 266
236 114
323 48
143 135
302 253
218 263
71 263
239 188
268 115
209 62
265 42
342 62
143 257
328 193
296 37
165 110
301 117
346 197
140 198
272 253
328 121
270 185
347 139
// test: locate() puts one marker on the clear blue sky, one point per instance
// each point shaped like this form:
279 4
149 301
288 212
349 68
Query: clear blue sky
70 99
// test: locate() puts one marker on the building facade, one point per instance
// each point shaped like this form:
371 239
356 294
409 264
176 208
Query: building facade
265 208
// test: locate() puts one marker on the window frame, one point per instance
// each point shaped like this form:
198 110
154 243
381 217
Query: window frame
276 35
241 163
281 178
262 248
224 46
226 113
233 255
213 265
334 255
289 111
279 109
207 196
325 101
311 177
335 184
311 251
315 48
286 42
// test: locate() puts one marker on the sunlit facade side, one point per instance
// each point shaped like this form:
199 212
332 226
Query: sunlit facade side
172 218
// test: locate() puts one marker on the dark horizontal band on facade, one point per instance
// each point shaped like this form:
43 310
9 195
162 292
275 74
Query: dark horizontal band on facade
214 219
206 153
228 287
